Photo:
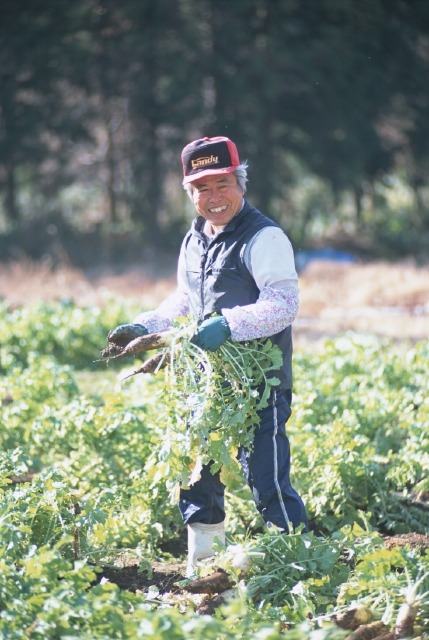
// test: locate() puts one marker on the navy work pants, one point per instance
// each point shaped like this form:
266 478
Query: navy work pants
266 470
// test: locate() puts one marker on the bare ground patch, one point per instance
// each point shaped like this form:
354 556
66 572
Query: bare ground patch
164 576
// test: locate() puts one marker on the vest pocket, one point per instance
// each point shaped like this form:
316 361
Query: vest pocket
224 277
193 277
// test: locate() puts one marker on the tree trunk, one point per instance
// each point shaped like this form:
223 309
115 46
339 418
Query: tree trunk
155 187
421 217
12 213
113 209
357 192
150 175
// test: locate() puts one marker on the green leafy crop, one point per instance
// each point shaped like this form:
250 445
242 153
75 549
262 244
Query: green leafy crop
210 402
83 469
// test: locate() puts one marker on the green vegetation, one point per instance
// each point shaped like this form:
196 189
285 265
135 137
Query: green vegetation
359 434
210 402
361 419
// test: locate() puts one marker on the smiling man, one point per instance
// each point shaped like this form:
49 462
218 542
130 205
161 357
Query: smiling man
217 200
238 264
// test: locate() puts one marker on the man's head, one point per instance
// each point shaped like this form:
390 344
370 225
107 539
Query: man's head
214 178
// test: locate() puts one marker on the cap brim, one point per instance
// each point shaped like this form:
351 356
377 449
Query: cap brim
207 172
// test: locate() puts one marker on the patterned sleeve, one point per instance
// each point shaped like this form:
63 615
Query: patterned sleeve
274 310
177 304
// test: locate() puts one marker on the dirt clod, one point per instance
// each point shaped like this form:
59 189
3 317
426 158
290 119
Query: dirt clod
415 540
26 477
352 618
215 583
368 631
209 606
7 400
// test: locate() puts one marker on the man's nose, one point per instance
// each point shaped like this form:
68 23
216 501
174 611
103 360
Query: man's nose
215 196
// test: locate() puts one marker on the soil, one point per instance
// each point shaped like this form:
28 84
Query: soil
415 540
390 300
165 575
26 477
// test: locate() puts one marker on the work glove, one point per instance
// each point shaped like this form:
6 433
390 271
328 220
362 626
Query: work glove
212 333
123 334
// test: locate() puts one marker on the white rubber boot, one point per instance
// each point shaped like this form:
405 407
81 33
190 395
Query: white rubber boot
200 541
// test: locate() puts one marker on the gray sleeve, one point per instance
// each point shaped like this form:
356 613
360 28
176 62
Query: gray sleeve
269 258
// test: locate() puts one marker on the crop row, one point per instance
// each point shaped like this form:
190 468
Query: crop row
80 488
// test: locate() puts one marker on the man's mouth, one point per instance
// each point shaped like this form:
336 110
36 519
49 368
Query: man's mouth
218 209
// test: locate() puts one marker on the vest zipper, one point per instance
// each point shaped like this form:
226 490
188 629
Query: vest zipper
202 264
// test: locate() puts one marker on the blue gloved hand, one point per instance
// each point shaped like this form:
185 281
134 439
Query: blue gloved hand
125 333
212 333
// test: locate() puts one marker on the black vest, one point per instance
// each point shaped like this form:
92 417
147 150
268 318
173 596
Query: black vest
219 279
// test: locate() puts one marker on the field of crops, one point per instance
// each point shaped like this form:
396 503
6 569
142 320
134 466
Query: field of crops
83 505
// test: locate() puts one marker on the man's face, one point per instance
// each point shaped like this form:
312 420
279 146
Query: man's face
217 198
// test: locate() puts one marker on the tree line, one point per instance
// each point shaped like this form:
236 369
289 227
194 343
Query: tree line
328 100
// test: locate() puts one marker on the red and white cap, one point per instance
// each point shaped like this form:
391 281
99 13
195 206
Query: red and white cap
209 157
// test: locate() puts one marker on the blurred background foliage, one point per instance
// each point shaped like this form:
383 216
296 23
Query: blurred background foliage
328 100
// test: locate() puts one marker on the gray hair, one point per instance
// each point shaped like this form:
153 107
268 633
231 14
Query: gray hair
240 174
